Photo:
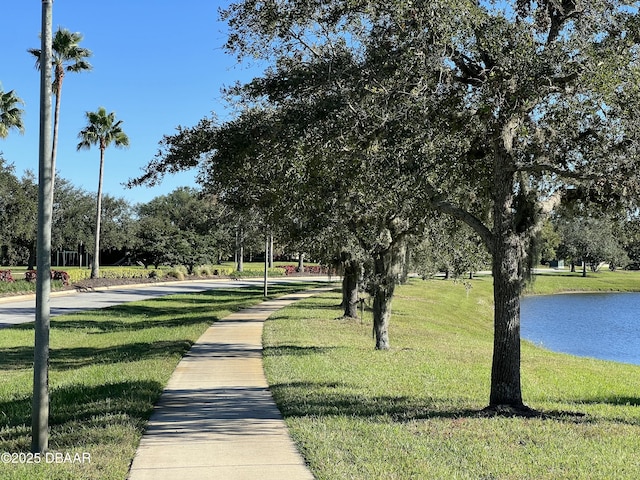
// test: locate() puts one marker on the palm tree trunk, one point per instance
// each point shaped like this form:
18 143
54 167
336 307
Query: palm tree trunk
95 266
56 116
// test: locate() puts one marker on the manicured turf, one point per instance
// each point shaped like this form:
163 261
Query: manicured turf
413 412
108 368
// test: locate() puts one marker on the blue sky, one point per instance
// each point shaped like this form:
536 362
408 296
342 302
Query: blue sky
157 64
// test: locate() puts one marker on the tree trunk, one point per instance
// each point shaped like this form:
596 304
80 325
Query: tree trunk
350 282
584 268
387 272
59 75
95 266
509 248
507 286
31 262
406 261
301 262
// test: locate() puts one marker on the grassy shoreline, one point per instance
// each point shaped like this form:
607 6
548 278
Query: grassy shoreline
554 283
413 412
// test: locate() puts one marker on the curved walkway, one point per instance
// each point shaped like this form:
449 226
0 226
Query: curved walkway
216 418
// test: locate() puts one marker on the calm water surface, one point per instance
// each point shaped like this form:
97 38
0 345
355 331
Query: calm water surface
605 325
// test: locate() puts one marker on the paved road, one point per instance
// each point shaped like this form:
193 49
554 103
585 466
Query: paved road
14 311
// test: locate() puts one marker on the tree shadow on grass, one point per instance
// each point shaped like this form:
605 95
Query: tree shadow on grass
295 350
167 311
98 326
322 399
81 414
620 401
18 358
170 311
616 401
339 399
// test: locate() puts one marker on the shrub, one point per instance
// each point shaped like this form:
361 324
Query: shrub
275 272
203 271
5 276
317 270
179 272
223 271
289 269
79 274
155 274
60 275
123 272
31 275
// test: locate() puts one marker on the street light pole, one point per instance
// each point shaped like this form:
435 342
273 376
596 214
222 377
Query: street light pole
40 404
266 262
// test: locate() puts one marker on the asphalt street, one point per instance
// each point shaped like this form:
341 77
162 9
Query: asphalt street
17 310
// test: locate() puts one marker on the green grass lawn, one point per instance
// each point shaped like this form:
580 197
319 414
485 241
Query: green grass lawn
413 412
603 281
108 368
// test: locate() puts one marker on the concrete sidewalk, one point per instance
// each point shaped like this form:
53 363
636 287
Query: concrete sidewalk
216 418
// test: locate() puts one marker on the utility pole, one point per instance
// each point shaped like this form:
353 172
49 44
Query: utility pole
40 404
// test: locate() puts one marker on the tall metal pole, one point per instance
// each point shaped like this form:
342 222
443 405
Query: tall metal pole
270 248
40 405
266 262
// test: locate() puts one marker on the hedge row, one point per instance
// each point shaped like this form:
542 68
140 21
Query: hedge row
125 272
78 274
311 269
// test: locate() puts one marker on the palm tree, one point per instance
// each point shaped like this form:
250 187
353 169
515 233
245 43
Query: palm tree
10 112
102 129
68 56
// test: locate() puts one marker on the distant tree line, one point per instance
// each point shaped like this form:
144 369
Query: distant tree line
185 227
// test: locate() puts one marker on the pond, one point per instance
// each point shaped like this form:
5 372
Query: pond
601 325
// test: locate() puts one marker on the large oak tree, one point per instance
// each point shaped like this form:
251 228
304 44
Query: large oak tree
489 112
